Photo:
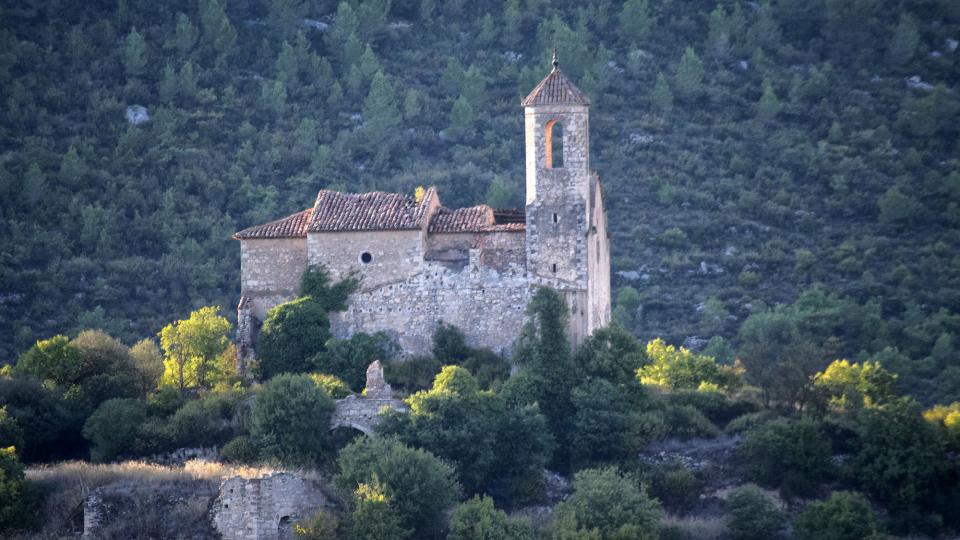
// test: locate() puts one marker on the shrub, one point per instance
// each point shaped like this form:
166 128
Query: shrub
606 504
373 517
752 514
479 519
845 515
15 511
292 333
203 422
420 487
331 384
241 450
682 369
601 423
315 283
749 421
113 428
686 422
414 374
10 432
55 360
716 406
322 525
49 429
611 353
291 419
792 455
674 485
348 358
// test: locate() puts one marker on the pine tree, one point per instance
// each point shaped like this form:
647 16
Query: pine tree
688 79
287 66
286 16
218 34
511 22
134 53
451 80
345 26
474 86
661 97
769 105
273 96
765 31
186 34
488 31
635 20
461 119
72 167
187 82
380 115
903 43
169 84
718 37
411 104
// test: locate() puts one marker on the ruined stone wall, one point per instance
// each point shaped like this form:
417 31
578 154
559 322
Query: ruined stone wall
396 255
265 508
489 305
270 271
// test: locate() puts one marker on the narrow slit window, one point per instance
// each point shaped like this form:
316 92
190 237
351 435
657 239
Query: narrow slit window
556 218
554 268
553 140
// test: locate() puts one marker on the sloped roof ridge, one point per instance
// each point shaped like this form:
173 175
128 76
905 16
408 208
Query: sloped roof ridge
555 89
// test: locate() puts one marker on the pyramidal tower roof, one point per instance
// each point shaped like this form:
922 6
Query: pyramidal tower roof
555 89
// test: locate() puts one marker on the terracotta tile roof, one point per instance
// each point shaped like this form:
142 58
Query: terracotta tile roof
375 211
509 215
446 220
294 226
555 89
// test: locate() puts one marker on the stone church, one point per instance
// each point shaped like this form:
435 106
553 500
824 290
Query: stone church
421 262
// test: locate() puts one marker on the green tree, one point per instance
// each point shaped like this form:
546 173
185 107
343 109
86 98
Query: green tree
897 207
286 16
777 357
846 515
134 53
331 384
792 455
904 42
479 519
898 456
54 360
635 20
451 80
373 517
660 96
15 511
148 363
187 82
292 334
419 486
113 428
846 387
380 114
719 36
185 35
610 353
682 369
752 514
688 78
10 432
607 505
218 34
193 349
769 105
461 119
348 358
601 426
291 418
316 284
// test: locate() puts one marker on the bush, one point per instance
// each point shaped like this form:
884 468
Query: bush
15 511
348 358
322 525
716 406
686 422
113 428
674 368
792 455
749 421
203 422
240 450
414 374
292 334
845 516
479 519
373 516
611 353
674 485
419 486
50 430
291 419
606 504
331 384
752 514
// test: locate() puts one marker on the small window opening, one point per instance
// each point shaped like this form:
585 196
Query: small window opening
553 140
366 257
556 218
554 268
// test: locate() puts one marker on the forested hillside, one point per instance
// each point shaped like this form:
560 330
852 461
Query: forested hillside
798 152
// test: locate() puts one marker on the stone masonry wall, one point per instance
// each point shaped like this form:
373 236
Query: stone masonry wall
598 262
489 305
265 508
270 271
396 255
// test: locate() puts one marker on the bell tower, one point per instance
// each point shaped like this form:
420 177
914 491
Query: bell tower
563 202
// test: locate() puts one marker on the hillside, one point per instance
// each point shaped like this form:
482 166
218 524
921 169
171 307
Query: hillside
748 152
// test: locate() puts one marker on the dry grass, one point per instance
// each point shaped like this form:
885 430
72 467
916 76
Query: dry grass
693 528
